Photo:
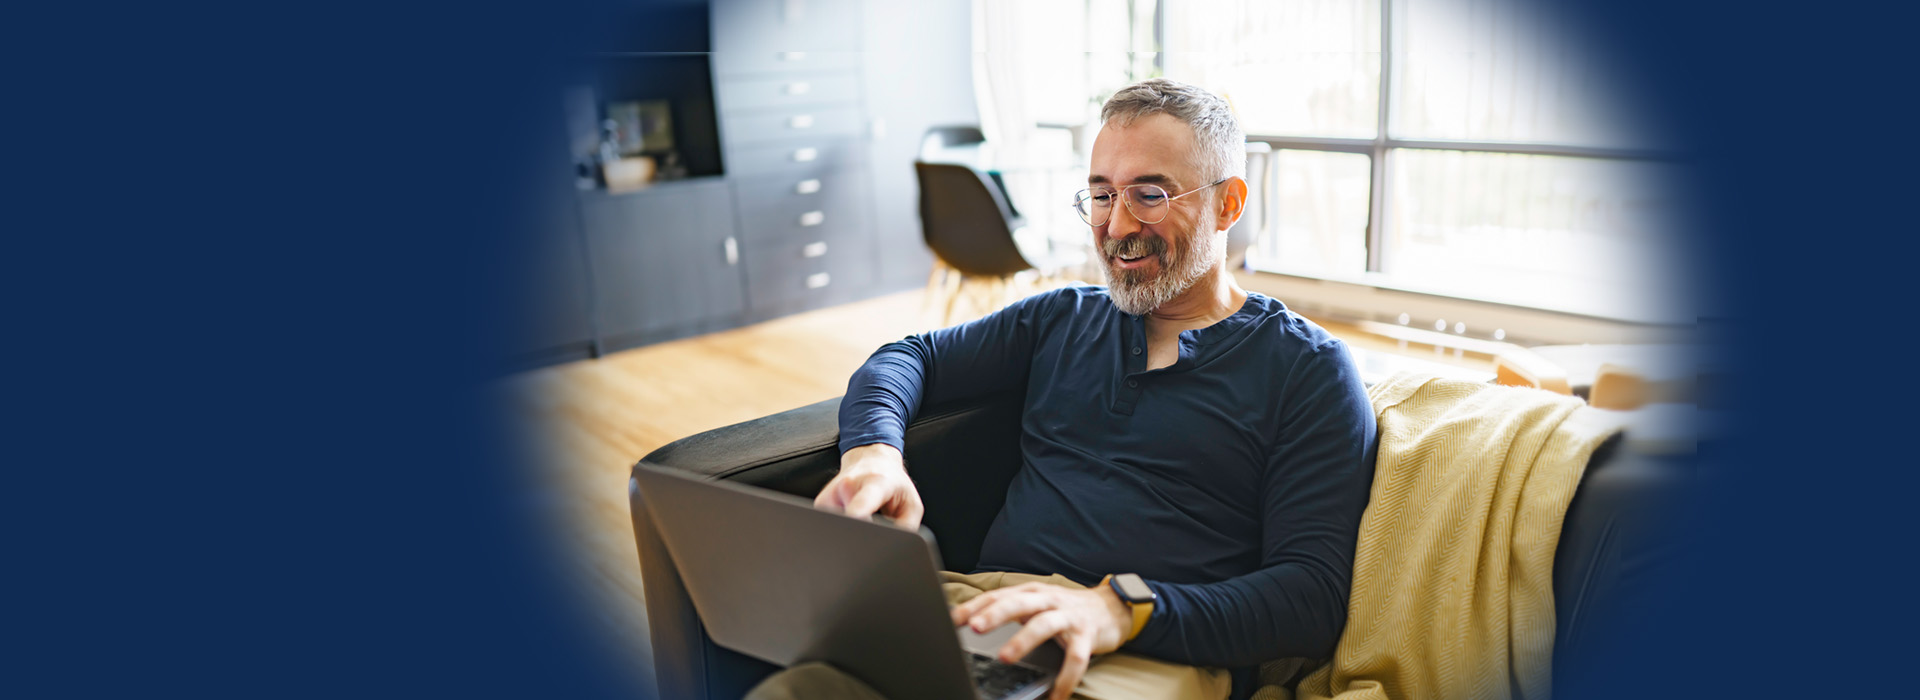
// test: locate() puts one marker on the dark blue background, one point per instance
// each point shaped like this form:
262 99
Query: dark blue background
254 271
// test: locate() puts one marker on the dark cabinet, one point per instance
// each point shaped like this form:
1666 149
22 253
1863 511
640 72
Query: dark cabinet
806 251
794 127
666 262
546 314
799 129
553 318
756 37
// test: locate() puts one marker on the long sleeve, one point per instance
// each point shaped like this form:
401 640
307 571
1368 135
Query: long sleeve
1314 492
982 357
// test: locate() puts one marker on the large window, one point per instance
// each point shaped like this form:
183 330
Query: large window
1480 155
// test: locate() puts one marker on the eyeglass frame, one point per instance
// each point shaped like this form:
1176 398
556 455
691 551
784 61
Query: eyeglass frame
1127 201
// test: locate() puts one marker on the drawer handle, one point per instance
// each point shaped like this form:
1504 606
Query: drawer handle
798 88
818 280
806 154
814 249
812 218
801 121
807 187
791 56
733 252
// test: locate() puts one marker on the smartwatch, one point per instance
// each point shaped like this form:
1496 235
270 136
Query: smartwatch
1139 598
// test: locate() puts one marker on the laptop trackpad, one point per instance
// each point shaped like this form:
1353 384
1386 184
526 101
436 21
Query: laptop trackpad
1047 656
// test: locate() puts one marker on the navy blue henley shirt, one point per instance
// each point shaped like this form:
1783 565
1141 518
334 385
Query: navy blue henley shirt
1233 481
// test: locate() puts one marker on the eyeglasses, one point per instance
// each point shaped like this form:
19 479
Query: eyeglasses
1147 203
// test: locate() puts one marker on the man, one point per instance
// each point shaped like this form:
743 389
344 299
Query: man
1179 432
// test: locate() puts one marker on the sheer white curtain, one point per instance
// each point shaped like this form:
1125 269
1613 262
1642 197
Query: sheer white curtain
999 40
1054 62
1034 64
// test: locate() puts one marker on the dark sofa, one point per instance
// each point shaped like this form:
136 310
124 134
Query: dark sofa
1617 538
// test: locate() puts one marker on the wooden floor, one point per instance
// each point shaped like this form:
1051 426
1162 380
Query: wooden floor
589 421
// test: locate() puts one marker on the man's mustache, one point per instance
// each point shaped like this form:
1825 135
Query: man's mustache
1133 246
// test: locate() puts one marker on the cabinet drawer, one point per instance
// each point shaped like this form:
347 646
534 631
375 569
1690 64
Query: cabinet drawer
798 123
795 258
797 155
762 61
809 274
762 35
747 94
786 207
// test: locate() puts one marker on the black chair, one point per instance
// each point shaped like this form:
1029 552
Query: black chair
1617 541
967 221
962 145
969 224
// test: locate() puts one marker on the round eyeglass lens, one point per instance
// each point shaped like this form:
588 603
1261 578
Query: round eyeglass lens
1147 203
1094 206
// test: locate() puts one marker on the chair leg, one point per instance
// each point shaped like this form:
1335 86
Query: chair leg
959 286
936 285
931 294
959 280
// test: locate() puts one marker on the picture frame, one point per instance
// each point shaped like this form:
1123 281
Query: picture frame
642 126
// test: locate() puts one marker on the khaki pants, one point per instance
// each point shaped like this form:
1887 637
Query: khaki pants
1115 676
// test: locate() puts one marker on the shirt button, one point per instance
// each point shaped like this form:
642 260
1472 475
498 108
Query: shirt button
1136 351
1133 384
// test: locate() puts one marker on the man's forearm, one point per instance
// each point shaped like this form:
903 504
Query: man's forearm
1288 610
984 356
883 396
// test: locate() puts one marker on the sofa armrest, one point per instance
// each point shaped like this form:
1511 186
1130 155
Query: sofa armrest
793 452
1621 542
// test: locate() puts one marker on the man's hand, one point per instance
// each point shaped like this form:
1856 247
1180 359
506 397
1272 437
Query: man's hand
873 479
1085 621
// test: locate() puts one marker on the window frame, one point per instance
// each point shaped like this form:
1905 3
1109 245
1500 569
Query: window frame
1380 152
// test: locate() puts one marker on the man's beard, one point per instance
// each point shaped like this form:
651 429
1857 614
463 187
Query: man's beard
1137 292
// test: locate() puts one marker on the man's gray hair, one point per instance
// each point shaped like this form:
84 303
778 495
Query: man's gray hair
1223 146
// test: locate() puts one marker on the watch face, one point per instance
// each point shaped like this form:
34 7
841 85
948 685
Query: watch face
1133 588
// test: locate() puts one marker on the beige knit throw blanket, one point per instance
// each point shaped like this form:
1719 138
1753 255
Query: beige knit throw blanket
1453 576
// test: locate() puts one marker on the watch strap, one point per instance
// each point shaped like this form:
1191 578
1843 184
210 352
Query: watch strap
1142 611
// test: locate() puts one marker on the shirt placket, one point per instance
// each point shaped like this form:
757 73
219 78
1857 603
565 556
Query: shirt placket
1134 359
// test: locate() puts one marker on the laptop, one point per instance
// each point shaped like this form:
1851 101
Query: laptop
776 579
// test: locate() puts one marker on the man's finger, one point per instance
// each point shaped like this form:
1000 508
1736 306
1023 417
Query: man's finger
1079 656
1010 608
973 605
1039 628
867 500
910 515
958 614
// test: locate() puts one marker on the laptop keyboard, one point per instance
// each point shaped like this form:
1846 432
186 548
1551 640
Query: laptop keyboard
996 680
